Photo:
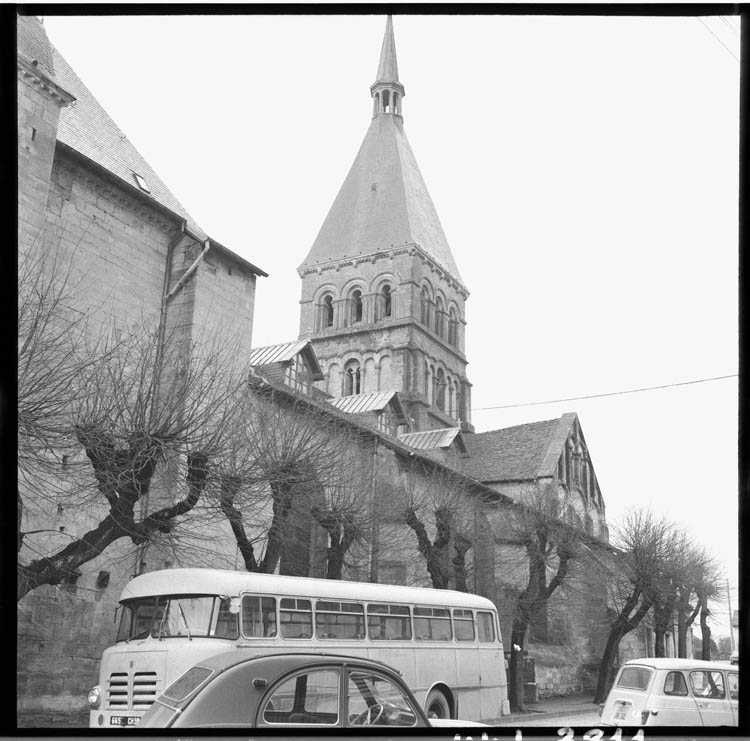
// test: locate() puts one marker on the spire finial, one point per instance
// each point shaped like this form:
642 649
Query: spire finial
387 91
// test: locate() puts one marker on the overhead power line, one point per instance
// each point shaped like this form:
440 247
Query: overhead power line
609 393
708 28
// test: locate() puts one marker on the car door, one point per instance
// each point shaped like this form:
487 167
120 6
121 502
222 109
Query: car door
677 707
372 699
307 698
733 690
711 697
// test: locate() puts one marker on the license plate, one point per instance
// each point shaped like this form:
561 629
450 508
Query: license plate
123 720
621 710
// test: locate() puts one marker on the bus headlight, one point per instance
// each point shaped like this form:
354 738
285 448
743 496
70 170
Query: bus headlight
94 697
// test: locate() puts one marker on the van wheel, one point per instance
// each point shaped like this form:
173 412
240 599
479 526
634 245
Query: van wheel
437 705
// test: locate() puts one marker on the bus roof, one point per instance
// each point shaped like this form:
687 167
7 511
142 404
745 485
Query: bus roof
232 583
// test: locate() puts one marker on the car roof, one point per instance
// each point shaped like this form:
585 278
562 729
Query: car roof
281 661
673 663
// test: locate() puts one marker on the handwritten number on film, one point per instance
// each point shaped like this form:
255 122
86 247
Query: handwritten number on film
565 734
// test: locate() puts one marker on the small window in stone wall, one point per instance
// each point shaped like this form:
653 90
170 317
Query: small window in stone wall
558 630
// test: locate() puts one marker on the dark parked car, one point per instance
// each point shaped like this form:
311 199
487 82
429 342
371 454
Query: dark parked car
241 690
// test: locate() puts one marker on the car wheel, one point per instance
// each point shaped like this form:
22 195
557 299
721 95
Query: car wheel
437 705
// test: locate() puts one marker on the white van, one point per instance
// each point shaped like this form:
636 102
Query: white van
673 692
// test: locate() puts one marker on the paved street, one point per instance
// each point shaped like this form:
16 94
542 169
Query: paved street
579 722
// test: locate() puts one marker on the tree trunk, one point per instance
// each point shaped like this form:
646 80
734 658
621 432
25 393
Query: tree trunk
515 681
624 623
229 488
434 553
705 634
607 665
461 546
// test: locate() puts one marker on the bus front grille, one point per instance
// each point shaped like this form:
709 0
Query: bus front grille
126 692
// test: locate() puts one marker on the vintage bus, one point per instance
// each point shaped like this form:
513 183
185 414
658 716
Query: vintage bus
446 644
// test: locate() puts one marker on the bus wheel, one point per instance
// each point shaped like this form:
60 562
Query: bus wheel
437 706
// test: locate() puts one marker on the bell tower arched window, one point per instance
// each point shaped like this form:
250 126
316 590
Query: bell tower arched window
326 311
440 388
453 327
352 379
439 316
355 306
384 302
426 306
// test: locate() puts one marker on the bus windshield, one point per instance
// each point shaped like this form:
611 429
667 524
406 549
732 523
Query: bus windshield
184 616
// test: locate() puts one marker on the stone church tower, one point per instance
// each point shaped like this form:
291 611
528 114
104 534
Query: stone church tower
382 300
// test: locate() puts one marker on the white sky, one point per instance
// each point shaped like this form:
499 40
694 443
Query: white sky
585 171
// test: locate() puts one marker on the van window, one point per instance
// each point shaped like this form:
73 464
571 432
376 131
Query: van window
634 677
733 685
707 684
675 684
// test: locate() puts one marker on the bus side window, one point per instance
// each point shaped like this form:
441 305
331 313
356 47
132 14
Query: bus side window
486 627
463 625
432 624
296 618
339 620
258 617
388 623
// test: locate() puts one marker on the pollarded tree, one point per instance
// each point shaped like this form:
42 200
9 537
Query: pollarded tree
702 584
439 515
293 462
551 534
647 550
153 406
55 353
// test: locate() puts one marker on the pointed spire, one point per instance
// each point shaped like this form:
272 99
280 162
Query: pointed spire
388 67
387 91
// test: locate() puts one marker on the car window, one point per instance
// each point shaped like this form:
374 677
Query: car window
306 698
733 685
374 700
634 677
675 684
707 684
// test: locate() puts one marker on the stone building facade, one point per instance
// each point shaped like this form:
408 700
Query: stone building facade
95 216
381 344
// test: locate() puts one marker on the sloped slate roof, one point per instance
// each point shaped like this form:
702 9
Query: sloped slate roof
87 128
285 352
518 453
360 403
428 439
383 203
34 45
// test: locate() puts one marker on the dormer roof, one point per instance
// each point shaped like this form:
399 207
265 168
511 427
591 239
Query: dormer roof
284 353
433 439
377 402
